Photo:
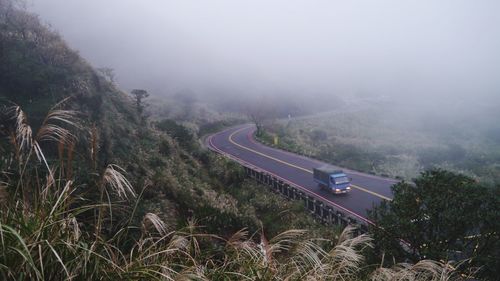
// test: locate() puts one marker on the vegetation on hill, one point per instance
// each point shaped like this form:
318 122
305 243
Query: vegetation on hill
442 216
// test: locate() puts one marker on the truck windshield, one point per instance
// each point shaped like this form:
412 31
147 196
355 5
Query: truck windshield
341 180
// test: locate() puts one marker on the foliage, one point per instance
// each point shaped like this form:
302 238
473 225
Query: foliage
212 127
139 95
262 113
36 68
178 132
443 216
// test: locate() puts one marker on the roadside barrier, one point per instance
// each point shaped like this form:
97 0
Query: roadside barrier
320 210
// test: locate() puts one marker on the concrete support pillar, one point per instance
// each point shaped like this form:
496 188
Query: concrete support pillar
318 206
310 203
331 216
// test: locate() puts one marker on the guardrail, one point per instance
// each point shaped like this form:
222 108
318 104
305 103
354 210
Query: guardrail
320 210
325 212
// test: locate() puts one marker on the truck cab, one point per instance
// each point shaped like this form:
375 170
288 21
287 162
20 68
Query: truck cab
331 179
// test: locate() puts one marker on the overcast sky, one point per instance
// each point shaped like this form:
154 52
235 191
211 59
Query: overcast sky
431 49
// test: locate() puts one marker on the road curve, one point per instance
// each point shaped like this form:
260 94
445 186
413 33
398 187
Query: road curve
238 144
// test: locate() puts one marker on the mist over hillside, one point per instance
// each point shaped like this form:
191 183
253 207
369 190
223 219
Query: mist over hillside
435 55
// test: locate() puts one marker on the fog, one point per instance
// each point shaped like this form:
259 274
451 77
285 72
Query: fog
419 52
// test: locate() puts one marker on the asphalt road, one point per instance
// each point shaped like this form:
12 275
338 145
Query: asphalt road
238 144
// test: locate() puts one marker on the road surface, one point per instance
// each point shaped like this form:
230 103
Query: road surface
238 144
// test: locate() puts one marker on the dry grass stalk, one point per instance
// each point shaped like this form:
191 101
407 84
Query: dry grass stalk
158 224
25 142
240 247
50 131
345 259
113 177
72 223
94 145
22 137
69 160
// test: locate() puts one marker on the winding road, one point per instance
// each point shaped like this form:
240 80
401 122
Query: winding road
238 144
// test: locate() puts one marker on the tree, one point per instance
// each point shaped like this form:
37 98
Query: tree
260 113
443 216
139 95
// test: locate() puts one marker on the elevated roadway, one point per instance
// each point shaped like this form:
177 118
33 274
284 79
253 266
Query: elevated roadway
238 144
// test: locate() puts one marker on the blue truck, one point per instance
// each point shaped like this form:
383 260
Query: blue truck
331 179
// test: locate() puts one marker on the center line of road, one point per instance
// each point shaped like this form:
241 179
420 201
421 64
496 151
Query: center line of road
294 166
